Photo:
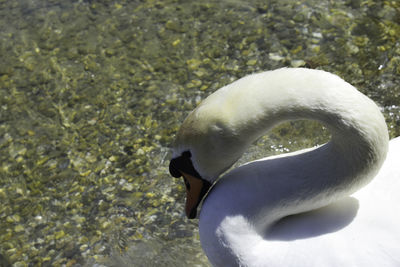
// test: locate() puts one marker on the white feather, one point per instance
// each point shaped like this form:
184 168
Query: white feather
249 217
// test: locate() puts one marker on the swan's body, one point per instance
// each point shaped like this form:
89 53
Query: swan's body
244 219
357 231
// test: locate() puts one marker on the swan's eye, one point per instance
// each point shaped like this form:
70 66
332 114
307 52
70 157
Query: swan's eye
187 184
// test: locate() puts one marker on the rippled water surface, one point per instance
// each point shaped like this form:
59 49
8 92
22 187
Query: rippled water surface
92 94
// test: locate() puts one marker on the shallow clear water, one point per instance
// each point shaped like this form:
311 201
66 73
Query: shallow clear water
93 92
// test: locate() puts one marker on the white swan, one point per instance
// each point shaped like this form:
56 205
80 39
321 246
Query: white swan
245 219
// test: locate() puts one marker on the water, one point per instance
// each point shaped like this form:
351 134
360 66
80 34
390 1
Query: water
93 92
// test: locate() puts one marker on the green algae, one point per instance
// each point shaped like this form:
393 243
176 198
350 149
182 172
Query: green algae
93 93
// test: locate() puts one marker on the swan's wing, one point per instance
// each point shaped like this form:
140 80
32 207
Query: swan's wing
363 229
384 189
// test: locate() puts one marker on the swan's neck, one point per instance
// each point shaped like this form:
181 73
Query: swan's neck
263 192
221 128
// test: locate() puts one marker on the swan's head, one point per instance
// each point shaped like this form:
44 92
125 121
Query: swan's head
205 146
196 186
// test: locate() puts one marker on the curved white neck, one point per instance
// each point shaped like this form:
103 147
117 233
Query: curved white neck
221 128
264 191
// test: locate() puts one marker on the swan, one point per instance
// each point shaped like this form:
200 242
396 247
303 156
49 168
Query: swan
297 209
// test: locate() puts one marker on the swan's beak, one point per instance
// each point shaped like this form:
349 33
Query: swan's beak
195 191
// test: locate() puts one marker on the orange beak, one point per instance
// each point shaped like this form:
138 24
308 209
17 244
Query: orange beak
195 191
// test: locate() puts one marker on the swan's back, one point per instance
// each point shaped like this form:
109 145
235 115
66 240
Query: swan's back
361 230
